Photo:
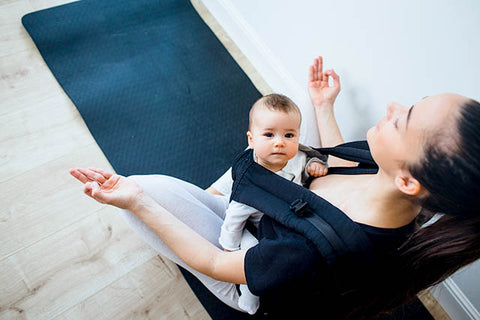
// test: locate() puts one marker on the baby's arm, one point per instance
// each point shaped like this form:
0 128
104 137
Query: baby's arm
236 216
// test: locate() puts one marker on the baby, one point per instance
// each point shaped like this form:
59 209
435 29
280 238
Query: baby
273 134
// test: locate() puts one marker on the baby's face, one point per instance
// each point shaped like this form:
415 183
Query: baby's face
274 137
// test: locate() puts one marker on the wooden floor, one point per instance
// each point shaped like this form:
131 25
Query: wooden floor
62 255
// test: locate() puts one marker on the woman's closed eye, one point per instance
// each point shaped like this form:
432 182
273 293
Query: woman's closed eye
395 123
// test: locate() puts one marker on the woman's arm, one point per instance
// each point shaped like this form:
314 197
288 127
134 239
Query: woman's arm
189 246
323 96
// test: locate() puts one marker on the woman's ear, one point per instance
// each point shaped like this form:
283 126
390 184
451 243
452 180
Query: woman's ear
250 139
408 184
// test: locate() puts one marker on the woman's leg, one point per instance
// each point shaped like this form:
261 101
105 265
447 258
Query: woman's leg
198 209
247 300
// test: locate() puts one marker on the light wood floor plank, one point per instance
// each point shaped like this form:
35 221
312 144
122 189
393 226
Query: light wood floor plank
44 200
44 4
48 265
38 117
36 147
13 37
27 79
154 290
63 270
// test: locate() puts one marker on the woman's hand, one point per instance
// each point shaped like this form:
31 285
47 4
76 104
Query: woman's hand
320 92
108 188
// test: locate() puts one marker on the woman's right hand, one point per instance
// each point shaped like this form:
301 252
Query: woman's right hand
108 188
320 92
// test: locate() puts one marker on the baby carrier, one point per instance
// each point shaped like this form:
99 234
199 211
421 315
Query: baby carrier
339 240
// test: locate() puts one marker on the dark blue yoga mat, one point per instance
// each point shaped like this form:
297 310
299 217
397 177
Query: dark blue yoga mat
157 90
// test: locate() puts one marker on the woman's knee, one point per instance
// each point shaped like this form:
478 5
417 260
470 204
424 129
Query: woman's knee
154 183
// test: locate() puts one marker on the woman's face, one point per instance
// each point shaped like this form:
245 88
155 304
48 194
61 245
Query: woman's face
397 138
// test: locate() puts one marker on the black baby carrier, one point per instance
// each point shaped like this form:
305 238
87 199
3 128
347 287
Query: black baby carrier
339 240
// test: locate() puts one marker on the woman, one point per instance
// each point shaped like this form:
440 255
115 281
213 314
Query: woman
428 159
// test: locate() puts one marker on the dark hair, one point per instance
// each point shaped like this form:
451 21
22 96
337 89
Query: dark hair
276 102
434 252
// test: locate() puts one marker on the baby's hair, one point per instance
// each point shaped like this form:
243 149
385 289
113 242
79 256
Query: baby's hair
275 102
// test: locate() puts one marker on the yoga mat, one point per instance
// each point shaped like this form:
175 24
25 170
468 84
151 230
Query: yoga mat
157 90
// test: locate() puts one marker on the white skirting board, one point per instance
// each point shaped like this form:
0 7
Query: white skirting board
266 63
448 294
454 302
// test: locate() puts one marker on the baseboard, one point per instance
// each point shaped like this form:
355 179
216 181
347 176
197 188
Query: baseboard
265 62
454 301
253 47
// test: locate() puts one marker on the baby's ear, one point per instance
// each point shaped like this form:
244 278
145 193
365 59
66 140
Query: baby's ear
250 139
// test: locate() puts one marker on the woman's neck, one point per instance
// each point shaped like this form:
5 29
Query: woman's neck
382 204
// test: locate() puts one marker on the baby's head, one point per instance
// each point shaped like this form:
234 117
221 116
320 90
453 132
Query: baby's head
273 131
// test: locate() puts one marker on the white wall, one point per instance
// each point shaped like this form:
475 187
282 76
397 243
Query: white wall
383 51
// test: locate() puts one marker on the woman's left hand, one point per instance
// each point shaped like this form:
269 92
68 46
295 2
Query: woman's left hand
108 188
321 93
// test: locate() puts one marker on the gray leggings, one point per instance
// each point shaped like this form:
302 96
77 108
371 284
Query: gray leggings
200 210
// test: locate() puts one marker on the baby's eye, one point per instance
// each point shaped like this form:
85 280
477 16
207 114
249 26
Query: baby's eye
289 135
268 134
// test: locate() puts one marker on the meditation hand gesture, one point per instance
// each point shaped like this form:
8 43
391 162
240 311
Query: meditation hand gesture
108 188
320 92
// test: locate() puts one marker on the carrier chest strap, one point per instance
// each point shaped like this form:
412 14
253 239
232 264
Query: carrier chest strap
302 209
295 207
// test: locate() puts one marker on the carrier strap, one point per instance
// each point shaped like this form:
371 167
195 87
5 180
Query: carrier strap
338 239
357 151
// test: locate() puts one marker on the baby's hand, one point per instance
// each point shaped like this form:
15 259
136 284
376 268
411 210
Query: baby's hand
317 169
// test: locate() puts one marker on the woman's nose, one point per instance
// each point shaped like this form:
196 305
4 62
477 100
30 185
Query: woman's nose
394 108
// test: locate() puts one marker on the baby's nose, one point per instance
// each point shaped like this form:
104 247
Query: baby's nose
279 142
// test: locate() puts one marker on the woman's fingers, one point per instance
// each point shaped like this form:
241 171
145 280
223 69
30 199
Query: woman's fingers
336 79
87 188
79 176
320 68
311 74
325 79
111 182
330 73
90 174
93 175
93 190
316 71
106 174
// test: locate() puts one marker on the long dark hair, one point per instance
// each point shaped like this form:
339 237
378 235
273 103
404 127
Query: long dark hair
451 175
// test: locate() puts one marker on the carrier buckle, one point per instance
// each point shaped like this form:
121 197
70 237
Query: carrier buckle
298 207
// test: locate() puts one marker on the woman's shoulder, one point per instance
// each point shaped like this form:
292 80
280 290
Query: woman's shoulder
387 239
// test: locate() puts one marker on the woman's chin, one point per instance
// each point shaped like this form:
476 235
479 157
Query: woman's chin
370 132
